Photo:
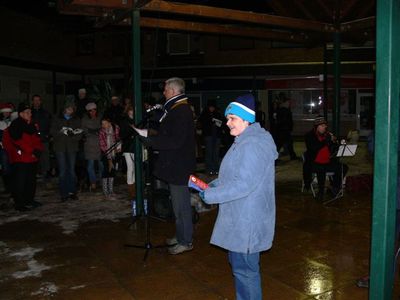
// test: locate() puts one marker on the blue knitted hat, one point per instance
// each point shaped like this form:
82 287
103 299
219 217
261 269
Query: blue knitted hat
244 107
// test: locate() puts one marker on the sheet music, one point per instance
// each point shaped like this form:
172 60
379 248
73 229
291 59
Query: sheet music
346 150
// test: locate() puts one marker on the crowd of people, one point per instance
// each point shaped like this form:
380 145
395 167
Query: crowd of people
83 142
87 144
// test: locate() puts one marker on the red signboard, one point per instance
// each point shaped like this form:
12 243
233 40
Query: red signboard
314 82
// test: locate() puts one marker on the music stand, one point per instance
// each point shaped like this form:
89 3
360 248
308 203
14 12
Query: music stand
343 151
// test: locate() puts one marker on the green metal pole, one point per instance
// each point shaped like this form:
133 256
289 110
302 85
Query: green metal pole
137 92
386 149
336 71
325 83
54 82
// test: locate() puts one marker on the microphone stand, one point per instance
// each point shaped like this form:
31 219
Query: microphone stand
147 243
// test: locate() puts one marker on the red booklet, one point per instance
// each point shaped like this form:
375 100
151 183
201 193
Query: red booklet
197 184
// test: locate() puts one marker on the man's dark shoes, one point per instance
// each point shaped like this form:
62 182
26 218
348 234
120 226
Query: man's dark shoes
320 196
34 204
73 196
22 208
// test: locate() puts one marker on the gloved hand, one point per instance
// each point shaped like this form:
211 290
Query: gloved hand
201 195
37 153
211 184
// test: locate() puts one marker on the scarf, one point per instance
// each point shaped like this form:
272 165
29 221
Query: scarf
171 103
67 117
110 138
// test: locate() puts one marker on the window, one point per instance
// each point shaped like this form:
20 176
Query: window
311 102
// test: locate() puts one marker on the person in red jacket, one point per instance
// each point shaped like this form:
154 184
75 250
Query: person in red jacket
24 147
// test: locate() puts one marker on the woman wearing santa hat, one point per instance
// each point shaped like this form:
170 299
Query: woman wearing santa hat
6 110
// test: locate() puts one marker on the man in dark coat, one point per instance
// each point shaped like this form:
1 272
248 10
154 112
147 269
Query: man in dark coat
81 102
284 127
41 118
211 123
175 142
115 111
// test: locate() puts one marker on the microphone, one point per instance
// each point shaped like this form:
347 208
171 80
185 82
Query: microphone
155 107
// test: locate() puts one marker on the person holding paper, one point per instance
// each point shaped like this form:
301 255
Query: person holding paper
320 158
66 132
245 192
175 142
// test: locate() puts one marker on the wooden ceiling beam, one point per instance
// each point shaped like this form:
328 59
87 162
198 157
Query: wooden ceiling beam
103 3
117 4
235 15
81 11
360 24
109 16
105 16
222 29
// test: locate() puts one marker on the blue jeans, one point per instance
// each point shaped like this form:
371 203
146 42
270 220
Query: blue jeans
44 161
246 271
180 198
66 170
92 171
212 145
5 163
6 171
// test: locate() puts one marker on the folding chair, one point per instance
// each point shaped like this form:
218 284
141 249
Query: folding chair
314 181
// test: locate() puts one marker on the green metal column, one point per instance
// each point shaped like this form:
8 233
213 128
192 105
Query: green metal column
336 71
386 147
54 84
325 76
137 96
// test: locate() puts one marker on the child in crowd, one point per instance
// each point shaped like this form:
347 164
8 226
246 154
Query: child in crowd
108 139
128 147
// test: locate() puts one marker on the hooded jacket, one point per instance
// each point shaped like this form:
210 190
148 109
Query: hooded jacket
245 191
62 142
22 142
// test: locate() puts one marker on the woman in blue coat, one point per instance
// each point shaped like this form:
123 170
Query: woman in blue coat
245 192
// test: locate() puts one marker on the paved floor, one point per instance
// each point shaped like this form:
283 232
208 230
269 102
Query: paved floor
76 250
